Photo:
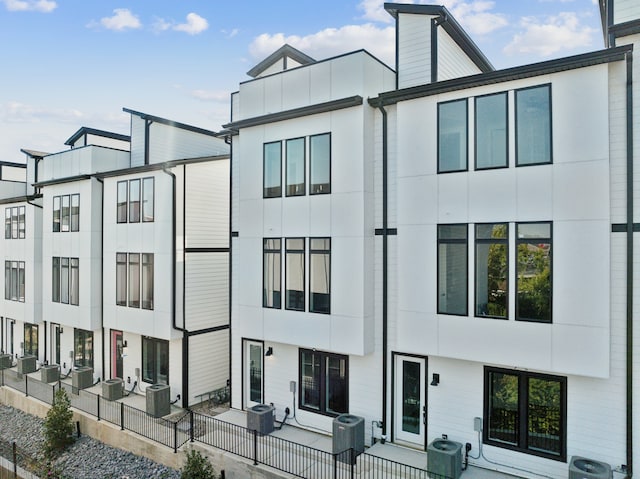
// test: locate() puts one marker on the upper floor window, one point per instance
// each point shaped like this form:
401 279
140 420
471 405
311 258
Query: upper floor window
65 280
295 167
14 222
271 268
452 269
533 270
533 125
135 200
324 382
14 280
526 412
134 280
492 269
320 275
66 213
491 144
320 164
272 169
294 277
452 136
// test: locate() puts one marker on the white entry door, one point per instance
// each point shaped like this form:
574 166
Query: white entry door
410 401
253 373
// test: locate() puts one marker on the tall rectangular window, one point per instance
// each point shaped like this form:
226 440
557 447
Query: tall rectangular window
320 164
21 222
134 201
121 209
74 281
294 279
121 279
75 212
533 125
134 280
14 280
64 219
147 199
526 412
147 281
324 382
452 136
295 167
7 280
271 268
533 271
7 223
21 281
491 131
14 222
320 275
272 169
64 280
31 340
82 348
452 269
55 280
492 269
155 360
56 214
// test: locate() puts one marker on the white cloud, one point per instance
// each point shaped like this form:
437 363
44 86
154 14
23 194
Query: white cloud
16 112
160 25
195 24
556 33
374 11
217 96
331 41
122 19
44 6
230 33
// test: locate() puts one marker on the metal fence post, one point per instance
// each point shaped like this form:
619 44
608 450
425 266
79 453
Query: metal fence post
26 385
255 447
175 437
335 466
122 416
352 460
53 394
191 425
15 460
98 403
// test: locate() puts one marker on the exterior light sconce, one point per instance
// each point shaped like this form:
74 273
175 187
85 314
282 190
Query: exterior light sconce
60 330
435 379
124 344
269 351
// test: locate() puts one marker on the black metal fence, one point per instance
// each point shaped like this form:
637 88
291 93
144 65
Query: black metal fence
275 452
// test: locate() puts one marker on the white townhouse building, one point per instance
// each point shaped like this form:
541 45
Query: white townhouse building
445 249
21 249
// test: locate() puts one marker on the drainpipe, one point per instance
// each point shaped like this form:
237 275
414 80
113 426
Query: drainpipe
228 140
104 372
185 335
630 194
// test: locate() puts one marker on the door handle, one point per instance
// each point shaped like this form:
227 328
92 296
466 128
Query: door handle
424 415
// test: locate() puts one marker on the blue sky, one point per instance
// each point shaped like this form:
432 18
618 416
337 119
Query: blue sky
71 63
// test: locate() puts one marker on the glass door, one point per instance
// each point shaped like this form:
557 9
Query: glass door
410 401
253 373
116 354
55 344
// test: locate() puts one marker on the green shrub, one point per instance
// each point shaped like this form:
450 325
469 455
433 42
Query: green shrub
58 425
197 467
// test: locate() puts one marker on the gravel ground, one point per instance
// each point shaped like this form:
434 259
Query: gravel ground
86 458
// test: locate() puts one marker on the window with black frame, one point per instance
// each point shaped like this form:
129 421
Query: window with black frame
271 271
491 138
452 269
155 360
294 279
492 269
320 275
534 272
320 164
83 348
272 169
31 340
452 136
533 125
295 167
324 382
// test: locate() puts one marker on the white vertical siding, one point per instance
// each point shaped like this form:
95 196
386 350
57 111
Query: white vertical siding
206 290
625 11
137 140
207 205
208 363
414 50
452 61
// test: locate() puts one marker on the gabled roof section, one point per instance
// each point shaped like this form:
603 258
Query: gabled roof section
450 25
176 124
34 153
283 53
92 131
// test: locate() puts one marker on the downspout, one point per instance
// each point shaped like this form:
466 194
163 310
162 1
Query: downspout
185 339
147 126
45 323
630 195
104 371
229 141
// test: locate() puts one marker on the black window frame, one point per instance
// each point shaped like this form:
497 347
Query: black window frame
466 139
15 281
83 348
277 190
145 264
61 265
489 241
125 205
319 251
516 125
522 412
475 131
322 386
29 348
150 346
122 207
465 242
145 204
533 240
303 190
277 252
63 216
319 188
293 251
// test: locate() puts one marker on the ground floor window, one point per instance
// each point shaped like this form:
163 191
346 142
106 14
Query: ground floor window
155 360
324 382
526 411
82 348
31 340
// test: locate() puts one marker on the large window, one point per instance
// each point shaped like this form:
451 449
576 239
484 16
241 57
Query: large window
452 136
271 284
452 269
66 213
155 360
294 278
533 269
83 348
14 222
134 280
14 280
135 200
65 280
272 169
492 269
491 131
295 169
324 382
320 164
31 340
526 411
320 275
533 125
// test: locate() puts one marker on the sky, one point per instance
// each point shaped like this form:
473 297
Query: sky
65 64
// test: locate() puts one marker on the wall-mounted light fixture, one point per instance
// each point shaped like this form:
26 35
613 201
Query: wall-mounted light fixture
269 351
124 344
435 379
60 330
